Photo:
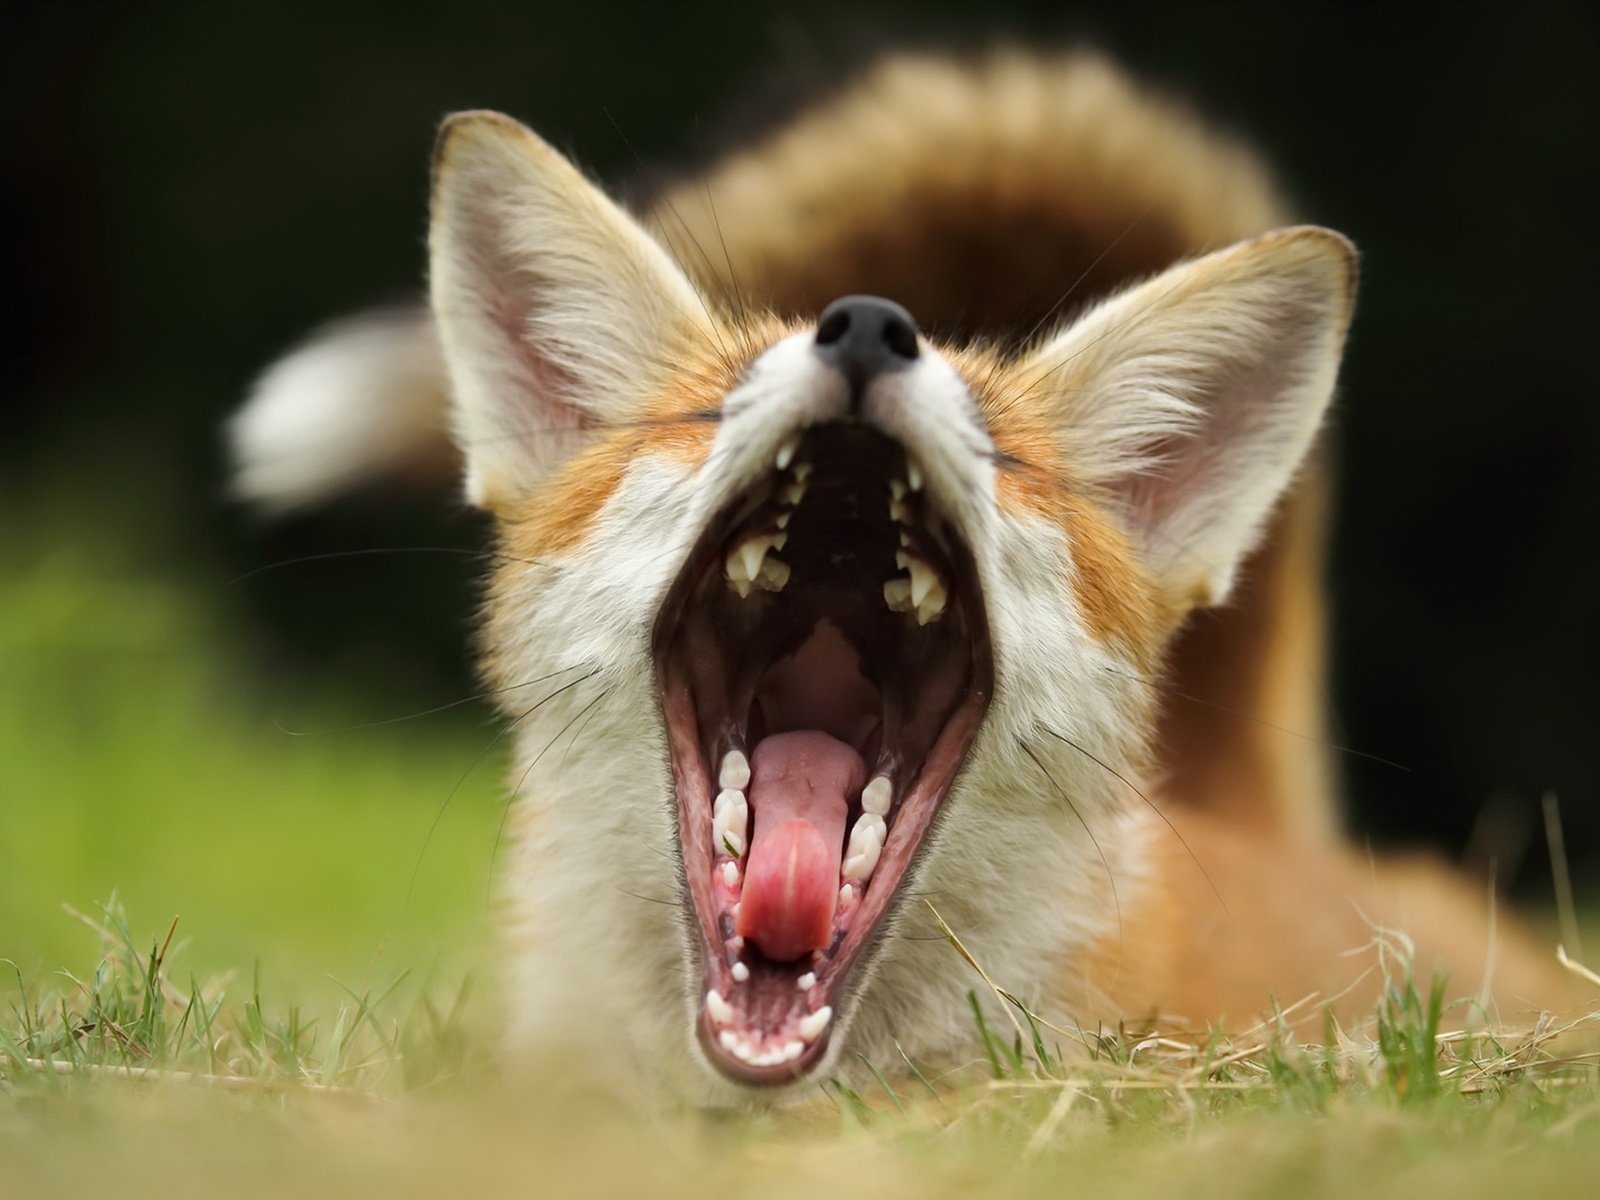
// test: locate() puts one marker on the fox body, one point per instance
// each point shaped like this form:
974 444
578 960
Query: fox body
847 589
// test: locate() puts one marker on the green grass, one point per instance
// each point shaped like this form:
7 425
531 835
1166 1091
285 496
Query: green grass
266 1006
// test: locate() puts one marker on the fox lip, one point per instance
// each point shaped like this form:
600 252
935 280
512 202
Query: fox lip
832 607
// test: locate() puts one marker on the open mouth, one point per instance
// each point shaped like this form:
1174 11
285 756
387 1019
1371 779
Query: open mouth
824 664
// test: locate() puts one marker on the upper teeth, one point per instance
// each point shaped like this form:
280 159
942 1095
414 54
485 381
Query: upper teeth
747 565
720 1011
923 591
786 453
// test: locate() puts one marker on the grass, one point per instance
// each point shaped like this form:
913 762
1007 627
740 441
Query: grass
315 1023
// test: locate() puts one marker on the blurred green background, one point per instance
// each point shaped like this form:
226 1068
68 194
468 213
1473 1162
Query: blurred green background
192 187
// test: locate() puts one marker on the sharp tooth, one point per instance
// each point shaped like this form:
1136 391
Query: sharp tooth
780 540
774 575
923 578
896 594
740 972
807 981
812 1025
750 553
735 772
905 537
897 489
786 453
802 471
730 873
729 1041
793 1050
931 606
899 511
913 475
783 519
877 796
721 1011
793 493
738 576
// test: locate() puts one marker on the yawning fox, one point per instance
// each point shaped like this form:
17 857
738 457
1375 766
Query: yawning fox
855 507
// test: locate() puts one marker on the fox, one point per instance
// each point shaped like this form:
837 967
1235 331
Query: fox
908 529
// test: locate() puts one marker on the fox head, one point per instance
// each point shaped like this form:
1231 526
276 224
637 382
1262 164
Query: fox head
811 626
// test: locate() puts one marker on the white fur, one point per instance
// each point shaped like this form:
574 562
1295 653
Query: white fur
1189 401
362 399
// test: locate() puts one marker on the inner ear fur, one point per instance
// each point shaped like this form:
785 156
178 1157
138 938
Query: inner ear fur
1189 401
558 314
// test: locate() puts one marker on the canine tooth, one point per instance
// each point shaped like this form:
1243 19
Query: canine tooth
877 796
792 1051
735 772
730 873
774 575
786 453
897 595
932 605
923 577
812 1025
740 972
751 551
807 981
721 1011
729 1042
913 475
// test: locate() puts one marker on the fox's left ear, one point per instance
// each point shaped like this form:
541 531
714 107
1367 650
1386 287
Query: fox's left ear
557 312
1189 401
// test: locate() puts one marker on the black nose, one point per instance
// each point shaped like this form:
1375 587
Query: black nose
864 337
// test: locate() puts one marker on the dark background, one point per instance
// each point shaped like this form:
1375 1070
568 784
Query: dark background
191 187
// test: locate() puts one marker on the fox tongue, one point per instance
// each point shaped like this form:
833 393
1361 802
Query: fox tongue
800 789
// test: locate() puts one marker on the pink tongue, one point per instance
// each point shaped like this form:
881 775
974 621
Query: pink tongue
800 789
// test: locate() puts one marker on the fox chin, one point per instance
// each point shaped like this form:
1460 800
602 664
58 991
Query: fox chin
853 509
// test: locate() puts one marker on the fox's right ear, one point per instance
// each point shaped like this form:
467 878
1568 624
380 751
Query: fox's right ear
557 312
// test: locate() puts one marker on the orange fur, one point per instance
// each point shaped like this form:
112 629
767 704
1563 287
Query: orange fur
1033 187
1234 919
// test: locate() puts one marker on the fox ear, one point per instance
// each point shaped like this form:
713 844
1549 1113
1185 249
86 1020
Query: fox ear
1191 399
557 312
